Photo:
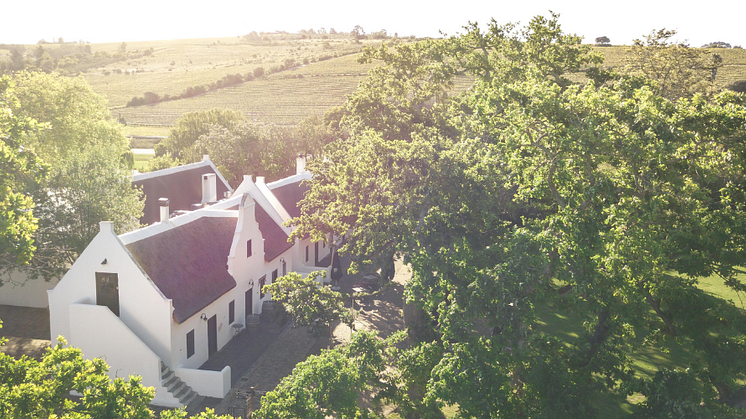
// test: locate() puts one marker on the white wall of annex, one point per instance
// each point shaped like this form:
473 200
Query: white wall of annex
20 290
218 308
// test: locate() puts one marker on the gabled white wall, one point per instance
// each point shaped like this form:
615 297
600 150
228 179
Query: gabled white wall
142 307
246 270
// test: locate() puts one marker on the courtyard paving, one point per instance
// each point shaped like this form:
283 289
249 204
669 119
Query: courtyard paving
26 329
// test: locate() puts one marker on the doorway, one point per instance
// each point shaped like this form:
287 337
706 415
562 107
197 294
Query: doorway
107 291
212 335
249 302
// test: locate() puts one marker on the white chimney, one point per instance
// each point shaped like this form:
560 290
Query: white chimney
106 226
209 188
300 164
163 204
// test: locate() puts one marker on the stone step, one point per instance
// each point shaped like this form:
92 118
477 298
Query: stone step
176 387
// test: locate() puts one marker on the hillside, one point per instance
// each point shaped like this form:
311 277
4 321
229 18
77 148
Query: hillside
288 96
302 74
283 98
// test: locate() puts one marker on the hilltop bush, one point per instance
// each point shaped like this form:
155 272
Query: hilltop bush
738 86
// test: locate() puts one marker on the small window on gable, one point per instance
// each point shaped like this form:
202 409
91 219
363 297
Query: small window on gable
248 248
190 343
231 312
262 283
306 253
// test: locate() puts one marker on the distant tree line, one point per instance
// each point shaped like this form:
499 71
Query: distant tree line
719 44
66 59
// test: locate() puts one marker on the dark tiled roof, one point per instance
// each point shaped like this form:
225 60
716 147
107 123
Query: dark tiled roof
183 188
289 195
275 239
188 262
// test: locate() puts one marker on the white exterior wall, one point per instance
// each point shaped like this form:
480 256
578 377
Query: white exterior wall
19 290
141 305
218 308
207 383
100 334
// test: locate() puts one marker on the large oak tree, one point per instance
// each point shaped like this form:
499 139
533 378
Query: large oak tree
603 200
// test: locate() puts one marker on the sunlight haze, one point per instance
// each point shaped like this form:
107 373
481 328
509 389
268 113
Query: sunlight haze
140 20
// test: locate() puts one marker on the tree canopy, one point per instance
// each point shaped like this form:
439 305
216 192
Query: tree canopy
307 301
677 69
191 126
85 179
20 172
529 193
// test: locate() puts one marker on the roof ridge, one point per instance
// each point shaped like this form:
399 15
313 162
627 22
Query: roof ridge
175 222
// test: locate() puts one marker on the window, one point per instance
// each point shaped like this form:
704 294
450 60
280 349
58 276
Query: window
284 268
231 312
274 276
107 291
306 253
248 249
262 282
190 343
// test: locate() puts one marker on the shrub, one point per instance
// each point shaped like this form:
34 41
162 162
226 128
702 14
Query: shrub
738 86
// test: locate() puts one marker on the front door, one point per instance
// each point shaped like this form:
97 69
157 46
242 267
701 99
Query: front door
107 291
212 335
249 301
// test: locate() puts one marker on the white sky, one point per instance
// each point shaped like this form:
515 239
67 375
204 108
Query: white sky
28 21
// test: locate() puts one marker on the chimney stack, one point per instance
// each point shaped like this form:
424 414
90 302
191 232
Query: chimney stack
209 188
300 164
163 204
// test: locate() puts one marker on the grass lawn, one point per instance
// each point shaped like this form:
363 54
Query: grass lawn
145 131
141 161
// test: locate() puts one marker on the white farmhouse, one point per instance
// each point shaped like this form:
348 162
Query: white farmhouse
159 301
187 187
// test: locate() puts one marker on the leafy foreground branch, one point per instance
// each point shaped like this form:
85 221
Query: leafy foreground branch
308 302
352 381
40 389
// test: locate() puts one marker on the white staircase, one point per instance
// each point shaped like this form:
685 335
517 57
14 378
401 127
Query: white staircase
176 387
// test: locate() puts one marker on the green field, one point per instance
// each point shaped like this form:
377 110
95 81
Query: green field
733 69
174 66
141 160
287 97
284 97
